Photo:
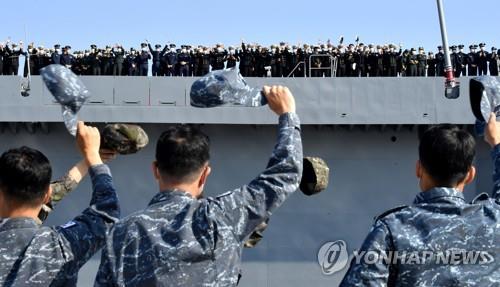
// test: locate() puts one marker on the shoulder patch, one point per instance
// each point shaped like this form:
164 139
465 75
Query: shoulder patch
387 212
481 197
68 225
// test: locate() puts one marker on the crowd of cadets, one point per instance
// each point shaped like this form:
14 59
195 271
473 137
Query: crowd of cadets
254 60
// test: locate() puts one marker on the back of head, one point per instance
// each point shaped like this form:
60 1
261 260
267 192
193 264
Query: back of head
25 175
446 153
181 153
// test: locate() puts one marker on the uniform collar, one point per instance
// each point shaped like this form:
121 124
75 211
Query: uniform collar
169 195
18 223
440 194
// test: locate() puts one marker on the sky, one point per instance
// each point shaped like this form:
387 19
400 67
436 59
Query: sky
413 23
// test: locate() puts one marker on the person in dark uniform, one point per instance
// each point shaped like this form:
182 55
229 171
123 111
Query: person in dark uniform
412 63
205 61
294 61
363 61
198 240
283 60
472 61
317 63
107 61
453 58
350 61
13 58
56 55
422 62
482 60
38 255
84 63
431 63
143 60
32 53
67 59
184 62
440 62
461 62
273 57
196 59
247 61
95 60
171 61
232 58
391 61
403 63
46 57
3 57
326 61
493 62
341 63
218 58
306 56
118 60
157 55
261 60
428 243
132 60
78 63
376 57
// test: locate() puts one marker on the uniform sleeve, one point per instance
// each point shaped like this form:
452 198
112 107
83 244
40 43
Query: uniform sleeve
246 207
104 274
378 274
495 154
86 233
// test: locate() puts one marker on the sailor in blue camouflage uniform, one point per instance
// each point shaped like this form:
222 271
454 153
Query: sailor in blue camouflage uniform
439 221
182 239
35 255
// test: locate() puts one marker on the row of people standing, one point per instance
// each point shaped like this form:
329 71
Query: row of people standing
254 60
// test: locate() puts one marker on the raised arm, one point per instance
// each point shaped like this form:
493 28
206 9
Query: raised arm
492 136
69 182
246 207
86 233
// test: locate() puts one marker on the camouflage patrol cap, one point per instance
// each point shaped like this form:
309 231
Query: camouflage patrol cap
124 138
314 176
256 235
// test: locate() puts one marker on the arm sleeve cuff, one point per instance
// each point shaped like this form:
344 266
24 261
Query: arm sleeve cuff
98 169
289 120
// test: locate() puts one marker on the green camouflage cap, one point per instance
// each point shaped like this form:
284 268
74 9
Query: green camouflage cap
123 138
60 188
314 176
314 180
256 235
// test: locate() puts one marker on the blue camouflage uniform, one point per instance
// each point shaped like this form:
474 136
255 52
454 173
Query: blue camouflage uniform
439 221
179 240
35 255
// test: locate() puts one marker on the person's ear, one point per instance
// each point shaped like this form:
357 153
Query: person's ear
48 195
204 175
471 175
418 169
156 172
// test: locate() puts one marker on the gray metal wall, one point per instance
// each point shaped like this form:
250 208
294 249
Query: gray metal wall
320 101
369 174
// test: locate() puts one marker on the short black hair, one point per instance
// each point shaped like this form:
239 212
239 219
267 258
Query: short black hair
447 152
181 152
25 175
